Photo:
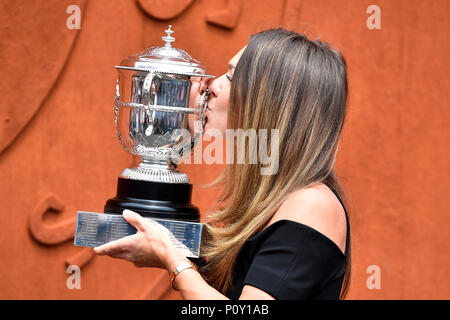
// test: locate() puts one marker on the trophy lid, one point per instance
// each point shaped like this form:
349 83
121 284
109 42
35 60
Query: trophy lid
166 59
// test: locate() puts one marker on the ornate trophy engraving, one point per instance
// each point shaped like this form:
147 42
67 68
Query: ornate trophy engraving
151 118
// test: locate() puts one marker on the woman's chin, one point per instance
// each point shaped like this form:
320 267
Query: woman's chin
213 131
208 131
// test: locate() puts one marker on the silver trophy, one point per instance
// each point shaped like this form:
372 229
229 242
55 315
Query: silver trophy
152 116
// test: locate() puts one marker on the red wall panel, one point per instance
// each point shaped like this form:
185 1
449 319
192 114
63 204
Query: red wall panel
59 152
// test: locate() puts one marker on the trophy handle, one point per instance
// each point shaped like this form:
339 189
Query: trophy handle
149 89
199 125
203 104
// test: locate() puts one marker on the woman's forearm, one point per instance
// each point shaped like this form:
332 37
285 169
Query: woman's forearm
193 287
189 282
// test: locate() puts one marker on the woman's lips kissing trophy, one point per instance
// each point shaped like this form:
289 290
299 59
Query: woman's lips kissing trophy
151 118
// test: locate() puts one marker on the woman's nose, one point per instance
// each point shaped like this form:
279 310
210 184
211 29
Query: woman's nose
215 86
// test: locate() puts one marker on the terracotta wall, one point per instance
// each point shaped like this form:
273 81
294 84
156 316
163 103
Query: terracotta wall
59 152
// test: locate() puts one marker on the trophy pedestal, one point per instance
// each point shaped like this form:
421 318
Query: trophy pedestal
154 200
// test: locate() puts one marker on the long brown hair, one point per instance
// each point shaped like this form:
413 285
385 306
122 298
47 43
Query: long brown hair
286 82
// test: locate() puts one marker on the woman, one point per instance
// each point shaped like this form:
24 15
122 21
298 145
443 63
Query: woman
278 236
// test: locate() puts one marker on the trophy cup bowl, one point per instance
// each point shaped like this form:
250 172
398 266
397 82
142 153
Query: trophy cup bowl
151 117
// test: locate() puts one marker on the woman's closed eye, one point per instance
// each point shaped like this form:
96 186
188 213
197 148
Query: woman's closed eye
229 78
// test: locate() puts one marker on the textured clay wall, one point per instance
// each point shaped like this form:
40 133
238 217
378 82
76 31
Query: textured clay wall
59 152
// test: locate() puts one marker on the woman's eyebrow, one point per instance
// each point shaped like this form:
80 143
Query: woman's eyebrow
231 67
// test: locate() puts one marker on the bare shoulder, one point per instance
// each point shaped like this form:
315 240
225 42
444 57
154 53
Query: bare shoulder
319 208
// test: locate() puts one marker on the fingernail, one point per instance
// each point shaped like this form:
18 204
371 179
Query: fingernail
127 212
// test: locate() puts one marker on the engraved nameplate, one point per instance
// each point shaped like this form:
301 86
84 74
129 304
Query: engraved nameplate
94 229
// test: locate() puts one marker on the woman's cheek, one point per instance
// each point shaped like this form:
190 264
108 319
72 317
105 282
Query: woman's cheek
217 122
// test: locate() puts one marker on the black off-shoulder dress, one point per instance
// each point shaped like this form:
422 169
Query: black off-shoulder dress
290 261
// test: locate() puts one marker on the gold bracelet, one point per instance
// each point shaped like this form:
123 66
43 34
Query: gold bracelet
175 260
181 267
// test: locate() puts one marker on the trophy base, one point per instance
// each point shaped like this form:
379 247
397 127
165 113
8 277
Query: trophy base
154 200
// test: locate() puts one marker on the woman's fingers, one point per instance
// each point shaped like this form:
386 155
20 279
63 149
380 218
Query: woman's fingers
115 247
134 219
145 248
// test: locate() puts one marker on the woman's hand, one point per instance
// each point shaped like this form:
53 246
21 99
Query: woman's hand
151 246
